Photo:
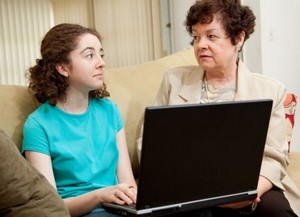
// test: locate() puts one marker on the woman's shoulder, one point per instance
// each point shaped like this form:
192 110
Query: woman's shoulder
187 72
259 78
184 69
267 80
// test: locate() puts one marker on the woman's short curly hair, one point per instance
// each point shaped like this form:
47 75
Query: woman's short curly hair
45 82
234 17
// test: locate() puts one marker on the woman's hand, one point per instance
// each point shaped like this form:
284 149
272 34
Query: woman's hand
119 194
264 185
239 205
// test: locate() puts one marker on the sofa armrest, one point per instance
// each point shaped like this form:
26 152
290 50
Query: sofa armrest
294 167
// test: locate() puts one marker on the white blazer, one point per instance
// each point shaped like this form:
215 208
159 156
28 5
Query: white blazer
182 85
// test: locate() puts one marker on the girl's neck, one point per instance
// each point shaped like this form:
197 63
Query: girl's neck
74 104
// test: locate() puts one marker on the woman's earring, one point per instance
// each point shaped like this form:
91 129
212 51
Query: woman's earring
238 48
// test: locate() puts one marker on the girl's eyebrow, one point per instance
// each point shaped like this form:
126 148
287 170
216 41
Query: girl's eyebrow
90 48
87 48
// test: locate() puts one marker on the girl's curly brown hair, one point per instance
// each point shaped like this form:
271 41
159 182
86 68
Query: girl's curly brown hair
234 17
45 82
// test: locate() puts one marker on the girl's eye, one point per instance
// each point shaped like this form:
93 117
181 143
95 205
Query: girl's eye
90 55
102 56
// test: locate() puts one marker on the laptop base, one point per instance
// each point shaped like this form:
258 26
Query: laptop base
179 208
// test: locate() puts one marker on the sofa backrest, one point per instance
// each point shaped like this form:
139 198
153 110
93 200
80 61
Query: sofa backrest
135 87
132 88
16 104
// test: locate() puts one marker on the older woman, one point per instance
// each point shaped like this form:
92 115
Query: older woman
219 29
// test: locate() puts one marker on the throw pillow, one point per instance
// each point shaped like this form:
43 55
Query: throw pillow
23 190
290 109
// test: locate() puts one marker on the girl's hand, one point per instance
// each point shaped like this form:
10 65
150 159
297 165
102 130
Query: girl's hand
119 194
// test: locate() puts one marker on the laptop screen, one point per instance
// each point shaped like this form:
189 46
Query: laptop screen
201 152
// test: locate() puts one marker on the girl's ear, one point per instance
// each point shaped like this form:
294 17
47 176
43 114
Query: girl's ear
62 69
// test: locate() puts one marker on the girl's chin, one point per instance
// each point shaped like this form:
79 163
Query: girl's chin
98 85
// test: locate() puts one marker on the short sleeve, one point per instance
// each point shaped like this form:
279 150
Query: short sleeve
119 119
35 138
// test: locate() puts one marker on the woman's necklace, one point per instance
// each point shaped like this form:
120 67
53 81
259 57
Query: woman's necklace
214 93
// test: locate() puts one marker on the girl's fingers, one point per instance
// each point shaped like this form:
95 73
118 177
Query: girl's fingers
122 197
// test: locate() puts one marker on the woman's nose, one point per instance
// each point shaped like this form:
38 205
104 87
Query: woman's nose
200 43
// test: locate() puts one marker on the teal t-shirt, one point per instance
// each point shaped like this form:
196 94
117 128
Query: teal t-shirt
83 147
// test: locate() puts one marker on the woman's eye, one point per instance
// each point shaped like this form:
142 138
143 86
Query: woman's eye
211 36
196 38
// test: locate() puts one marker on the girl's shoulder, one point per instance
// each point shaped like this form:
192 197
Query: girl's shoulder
104 103
43 109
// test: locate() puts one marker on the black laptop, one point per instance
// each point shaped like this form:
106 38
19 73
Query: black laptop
199 155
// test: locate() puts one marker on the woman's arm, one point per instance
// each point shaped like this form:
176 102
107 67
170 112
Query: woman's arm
264 185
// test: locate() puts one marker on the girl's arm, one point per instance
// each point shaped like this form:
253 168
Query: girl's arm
82 204
124 170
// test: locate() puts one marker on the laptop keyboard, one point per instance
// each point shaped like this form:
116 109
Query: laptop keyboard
130 205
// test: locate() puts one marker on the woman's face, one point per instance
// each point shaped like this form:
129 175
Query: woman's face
86 71
212 46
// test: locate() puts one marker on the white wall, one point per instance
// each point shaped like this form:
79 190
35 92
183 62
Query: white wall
179 37
274 48
252 54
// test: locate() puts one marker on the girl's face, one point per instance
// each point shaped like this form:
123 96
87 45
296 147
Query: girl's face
86 70
212 47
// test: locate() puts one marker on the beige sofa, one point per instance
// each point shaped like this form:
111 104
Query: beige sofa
132 88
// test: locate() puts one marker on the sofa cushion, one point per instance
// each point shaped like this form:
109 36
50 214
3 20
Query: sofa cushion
294 167
23 190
